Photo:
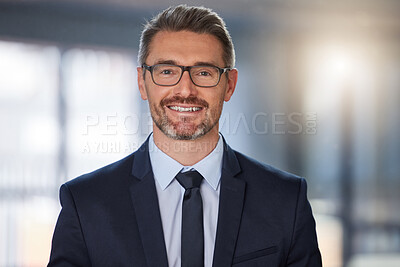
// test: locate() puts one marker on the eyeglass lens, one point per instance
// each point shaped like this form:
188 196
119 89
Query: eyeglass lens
164 74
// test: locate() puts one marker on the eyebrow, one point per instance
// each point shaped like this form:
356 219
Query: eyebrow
161 61
203 63
198 63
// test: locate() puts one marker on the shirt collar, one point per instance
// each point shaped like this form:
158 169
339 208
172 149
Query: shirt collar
166 168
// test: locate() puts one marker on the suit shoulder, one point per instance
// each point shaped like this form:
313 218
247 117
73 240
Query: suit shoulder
104 175
255 169
264 181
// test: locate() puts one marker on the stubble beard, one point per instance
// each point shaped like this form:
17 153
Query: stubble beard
184 129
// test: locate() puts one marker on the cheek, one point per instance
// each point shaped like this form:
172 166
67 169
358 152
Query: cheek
216 104
152 93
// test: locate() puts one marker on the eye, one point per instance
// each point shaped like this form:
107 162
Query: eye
166 71
204 73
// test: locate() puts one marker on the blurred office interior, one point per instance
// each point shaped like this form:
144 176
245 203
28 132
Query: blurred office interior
318 95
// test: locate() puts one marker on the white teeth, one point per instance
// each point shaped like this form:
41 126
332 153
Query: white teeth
181 109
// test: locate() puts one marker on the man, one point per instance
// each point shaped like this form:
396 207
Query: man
185 198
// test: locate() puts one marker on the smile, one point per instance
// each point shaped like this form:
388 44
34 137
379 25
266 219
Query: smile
185 109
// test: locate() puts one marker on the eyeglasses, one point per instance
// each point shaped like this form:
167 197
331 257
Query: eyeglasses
170 75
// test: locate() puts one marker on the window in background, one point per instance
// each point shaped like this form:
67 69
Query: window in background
28 151
102 108
62 112
350 86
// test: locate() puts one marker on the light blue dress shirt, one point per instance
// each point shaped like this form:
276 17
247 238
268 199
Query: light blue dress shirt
170 197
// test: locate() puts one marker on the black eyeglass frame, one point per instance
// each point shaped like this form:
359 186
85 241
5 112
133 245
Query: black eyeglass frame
186 68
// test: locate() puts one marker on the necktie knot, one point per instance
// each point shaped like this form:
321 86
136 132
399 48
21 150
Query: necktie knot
190 179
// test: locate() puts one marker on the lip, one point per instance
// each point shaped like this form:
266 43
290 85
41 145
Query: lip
176 107
185 105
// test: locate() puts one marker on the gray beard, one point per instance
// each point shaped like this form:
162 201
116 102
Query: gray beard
169 129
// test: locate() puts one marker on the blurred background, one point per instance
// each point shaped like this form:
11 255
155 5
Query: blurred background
318 95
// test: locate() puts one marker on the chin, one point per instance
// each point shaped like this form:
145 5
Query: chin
184 135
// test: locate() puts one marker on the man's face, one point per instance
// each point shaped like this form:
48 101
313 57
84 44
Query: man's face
185 111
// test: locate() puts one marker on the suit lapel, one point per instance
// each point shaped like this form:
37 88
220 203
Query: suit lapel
230 209
145 202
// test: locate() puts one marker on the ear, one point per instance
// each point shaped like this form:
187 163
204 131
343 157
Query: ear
232 80
141 83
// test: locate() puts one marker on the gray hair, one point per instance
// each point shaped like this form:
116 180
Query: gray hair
194 19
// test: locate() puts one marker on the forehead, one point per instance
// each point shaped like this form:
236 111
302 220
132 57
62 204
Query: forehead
185 48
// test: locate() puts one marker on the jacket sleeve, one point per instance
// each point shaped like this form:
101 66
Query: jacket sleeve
68 245
304 251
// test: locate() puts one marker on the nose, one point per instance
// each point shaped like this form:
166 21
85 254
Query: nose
185 87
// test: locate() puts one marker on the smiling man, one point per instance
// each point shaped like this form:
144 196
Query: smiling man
186 85
185 198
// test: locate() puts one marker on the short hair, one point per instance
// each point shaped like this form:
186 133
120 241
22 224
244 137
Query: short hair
194 19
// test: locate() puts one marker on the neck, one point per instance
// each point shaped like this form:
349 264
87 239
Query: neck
186 152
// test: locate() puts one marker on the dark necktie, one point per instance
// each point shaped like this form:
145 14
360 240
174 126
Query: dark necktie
192 239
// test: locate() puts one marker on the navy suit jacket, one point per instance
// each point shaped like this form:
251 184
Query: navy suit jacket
111 217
